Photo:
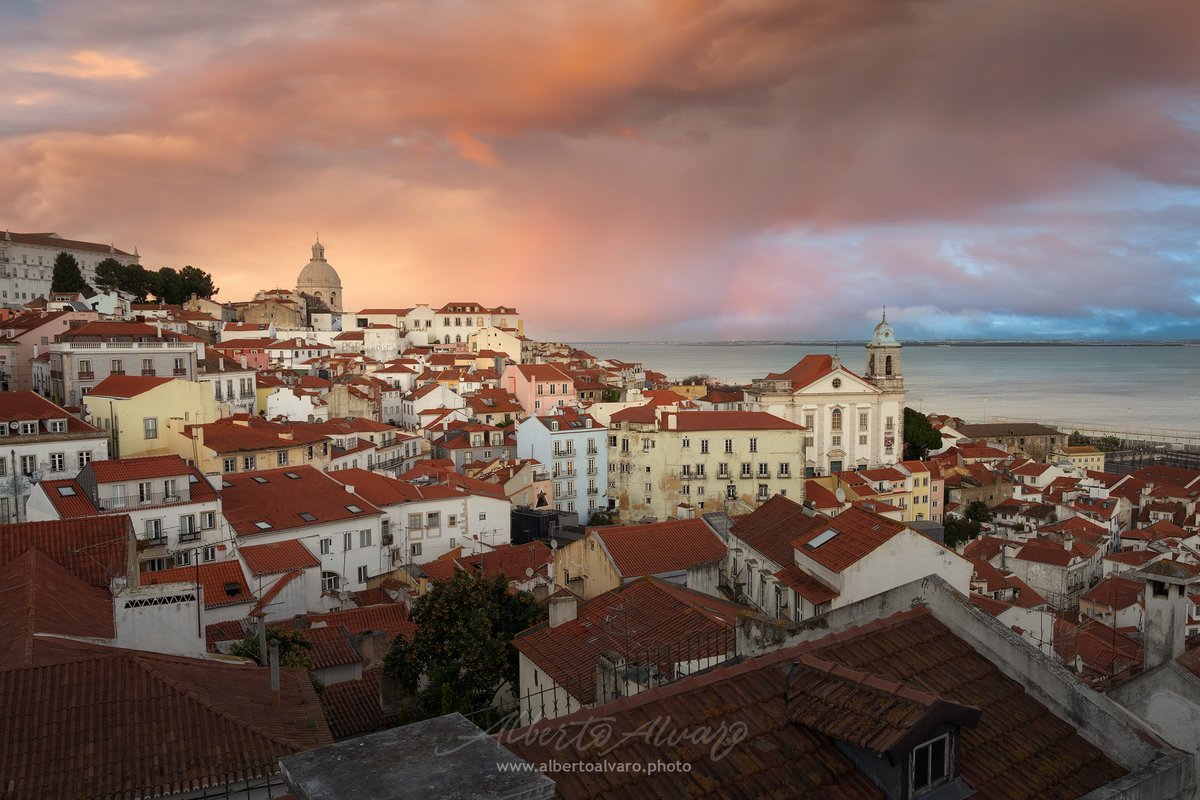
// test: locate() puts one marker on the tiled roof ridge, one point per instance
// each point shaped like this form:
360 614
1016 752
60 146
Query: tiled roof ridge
725 670
870 680
145 661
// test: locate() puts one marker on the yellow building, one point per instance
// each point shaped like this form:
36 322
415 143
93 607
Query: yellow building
135 411
247 444
1083 456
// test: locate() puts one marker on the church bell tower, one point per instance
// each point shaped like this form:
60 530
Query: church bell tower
883 358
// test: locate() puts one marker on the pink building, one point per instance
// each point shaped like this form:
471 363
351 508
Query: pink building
539 387
253 350
25 336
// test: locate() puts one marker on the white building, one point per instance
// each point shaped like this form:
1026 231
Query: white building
572 445
853 421
175 511
27 263
39 441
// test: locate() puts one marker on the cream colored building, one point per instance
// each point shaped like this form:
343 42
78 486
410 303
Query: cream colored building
319 280
707 460
853 421
133 411
1083 456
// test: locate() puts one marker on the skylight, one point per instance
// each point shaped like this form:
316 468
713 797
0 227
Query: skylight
822 538
193 479
354 509
259 479
66 491
226 485
291 475
263 526
307 517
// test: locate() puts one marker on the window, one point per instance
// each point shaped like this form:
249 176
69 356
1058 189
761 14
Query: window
808 421
281 458
729 445
722 470
451 520
890 424
731 492
326 546
85 367
330 581
145 493
208 520
649 486
415 549
612 441
248 462
85 458
762 492
753 445
482 515
837 383
835 441
764 469
58 426
433 519
3 467
704 446
169 489
228 464
187 525
28 428
862 440
862 420
835 419
930 764
364 538
147 366
362 574
414 520
183 558
785 470
746 470
116 367
347 541
686 470
699 470
154 529
154 565
687 443
210 553
57 461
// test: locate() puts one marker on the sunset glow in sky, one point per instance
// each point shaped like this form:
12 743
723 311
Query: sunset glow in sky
629 169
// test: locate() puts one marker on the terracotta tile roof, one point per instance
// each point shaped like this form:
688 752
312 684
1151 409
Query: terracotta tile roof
1167 475
276 557
275 499
94 549
135 469
353 707
806 371
444 475
820 496
55 241
229 435
1045 553
1102 650
649 622
329 646
772 527
989 605
1115 591
805 585
1018 750
986 547
39 597
510 560
1133 558
391 618
1026 596
542 373
222 581
126 386
382 490
209 724
122 331
857 533
30 406
660 547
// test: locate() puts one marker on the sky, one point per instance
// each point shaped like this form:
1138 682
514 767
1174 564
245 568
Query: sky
628 169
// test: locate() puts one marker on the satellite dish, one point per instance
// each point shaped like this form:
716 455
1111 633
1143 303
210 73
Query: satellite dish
529 572
14 425
553 543
840 494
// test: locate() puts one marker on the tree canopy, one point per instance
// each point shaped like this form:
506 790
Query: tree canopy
919 435
170 286
966 527
462 643
68 277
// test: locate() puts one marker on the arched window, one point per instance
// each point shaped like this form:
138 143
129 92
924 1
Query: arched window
871 365
330 581
835 419
887 366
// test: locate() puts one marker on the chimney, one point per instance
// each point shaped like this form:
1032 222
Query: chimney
274 666
1068 542
1166 603
672 422
349 488
563 608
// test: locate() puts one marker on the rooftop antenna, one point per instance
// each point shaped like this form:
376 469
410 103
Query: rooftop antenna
885 313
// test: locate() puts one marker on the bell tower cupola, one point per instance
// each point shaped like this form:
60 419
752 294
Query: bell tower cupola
883 358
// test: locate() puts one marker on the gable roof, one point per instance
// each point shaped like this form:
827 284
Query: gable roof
274 558
210 723
660 547
126 386
93 549
222 581
772 527
276 499
30 406
856 533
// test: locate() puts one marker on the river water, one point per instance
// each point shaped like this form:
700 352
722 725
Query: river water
1130 385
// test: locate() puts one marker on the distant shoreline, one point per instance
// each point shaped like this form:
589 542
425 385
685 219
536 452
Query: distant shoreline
913 343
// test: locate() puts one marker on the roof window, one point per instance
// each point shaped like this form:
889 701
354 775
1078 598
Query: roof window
263 526
353 509
308 517
260 479
291 475
66 491
822 538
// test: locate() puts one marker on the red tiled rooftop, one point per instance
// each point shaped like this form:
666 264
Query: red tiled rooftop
119 470
772 527
660 547
126 386
857 533
697 421
30 406
94 549
805 585
276 557
222 581
276 500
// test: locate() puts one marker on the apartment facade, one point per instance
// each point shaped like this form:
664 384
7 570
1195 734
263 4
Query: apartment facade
572 446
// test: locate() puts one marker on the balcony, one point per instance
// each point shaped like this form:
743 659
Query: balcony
83 376
593 471
117 372
593 491
158 540
387 539
105 504
179 372
193 536
149 373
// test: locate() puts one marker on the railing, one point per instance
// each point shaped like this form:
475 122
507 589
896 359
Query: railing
592 490
149 373
83 376
158 540
141 501
148 345
179 371
190 536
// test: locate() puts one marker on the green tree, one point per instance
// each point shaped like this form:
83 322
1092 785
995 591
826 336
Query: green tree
139 282
978 512
110 275
602 517
195 281
462 644
956 530
167 286
1077 439
611 395
1110 443
293 648
68 277
919 435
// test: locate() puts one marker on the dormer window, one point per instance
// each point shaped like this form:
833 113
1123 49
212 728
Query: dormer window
28 428
58 426
931 764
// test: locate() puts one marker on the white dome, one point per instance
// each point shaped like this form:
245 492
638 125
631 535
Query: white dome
318 274
884 334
